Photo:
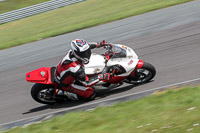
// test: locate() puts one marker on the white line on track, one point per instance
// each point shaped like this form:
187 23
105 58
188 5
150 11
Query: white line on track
154 89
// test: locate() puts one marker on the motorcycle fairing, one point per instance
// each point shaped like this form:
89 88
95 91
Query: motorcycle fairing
41 75
96 64
128 64
125 57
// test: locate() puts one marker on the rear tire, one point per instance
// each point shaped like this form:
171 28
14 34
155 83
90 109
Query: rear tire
142 75
43 93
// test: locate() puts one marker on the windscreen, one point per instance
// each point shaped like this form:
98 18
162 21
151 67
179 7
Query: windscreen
119 52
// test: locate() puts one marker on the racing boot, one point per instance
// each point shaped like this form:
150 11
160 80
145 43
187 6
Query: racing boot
71 96
90 94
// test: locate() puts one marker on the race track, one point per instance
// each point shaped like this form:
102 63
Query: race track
167 38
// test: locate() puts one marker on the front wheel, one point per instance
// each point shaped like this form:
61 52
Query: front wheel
142 75
43 93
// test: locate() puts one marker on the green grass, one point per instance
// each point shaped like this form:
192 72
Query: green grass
166 113
10 5
75 17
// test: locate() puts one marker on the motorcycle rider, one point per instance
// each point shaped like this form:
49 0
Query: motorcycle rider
70 72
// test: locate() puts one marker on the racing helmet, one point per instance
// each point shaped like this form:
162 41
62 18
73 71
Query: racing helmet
81 50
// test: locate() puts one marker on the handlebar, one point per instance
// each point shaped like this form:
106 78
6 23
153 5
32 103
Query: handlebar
109 51
108 47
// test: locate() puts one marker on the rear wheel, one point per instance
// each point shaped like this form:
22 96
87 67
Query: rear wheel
142 75
43 93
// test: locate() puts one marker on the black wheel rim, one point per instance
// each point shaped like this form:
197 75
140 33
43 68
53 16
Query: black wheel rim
46 95
141 76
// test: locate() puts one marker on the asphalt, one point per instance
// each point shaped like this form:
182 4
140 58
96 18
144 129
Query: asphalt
167 38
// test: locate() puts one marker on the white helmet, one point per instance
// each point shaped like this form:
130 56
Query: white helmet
81 50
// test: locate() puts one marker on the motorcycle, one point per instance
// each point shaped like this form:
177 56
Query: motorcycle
120 59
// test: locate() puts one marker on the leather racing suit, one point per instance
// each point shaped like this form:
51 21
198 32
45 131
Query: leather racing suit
70 74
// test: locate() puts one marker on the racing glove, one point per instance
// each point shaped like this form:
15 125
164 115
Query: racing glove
105 76
101 44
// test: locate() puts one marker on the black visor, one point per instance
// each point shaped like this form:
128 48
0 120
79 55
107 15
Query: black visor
85 54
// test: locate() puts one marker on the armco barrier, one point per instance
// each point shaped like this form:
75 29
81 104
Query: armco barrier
35 9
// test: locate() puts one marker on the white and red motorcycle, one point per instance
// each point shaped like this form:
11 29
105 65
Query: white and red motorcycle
128 68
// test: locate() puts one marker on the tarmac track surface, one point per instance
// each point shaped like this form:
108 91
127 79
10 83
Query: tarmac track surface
171 45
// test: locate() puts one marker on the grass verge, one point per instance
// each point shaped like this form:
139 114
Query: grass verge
175 111
10 5
75 17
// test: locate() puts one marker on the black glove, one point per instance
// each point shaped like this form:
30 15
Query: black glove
105 76
102 44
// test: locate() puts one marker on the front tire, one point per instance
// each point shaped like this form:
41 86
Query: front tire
43 93
142 75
